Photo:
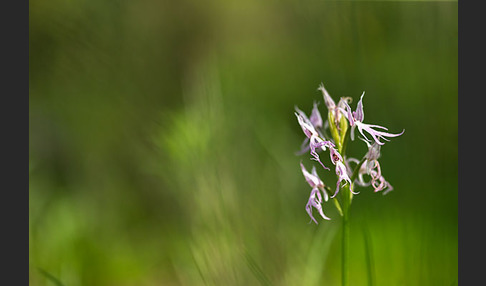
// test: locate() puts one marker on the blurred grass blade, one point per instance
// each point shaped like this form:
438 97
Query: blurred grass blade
50 277
369 255
256 270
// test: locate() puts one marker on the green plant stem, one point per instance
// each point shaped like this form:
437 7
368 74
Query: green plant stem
369 255
344 245
336 202
346 201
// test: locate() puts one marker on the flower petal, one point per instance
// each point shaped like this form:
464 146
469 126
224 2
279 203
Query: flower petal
327 98
316 203
315 117
359 109
305 125
335 156
312 180
347 113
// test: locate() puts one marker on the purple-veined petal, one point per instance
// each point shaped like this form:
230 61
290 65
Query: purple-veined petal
316 203
327 98
308 129
315 117
308 208
377 126
382 134
318 194
376 134
361 126
348 114
312 180
302 113
342 175
359 115
321 183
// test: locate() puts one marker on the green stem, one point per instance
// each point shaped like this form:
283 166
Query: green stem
336 202
346 201
345 249
369 255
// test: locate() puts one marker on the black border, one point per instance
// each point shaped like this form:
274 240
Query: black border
471 113
15 142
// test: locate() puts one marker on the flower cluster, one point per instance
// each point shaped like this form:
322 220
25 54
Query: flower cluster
340 124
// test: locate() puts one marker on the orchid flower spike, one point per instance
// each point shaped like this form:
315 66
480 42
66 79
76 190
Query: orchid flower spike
356 118
315 198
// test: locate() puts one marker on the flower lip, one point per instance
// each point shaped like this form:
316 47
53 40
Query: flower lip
356 119
335 156
315 200
342 175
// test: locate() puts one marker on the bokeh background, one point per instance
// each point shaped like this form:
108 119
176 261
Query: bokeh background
162 141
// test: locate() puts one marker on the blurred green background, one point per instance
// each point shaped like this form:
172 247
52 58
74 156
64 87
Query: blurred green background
163 140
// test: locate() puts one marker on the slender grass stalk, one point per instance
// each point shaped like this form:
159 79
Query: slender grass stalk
369 256
50 277
256 270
